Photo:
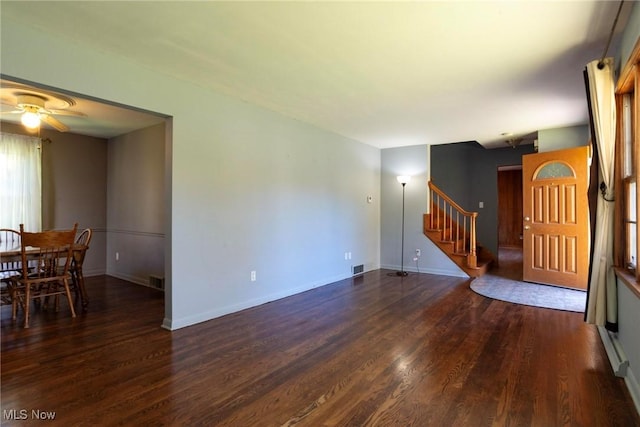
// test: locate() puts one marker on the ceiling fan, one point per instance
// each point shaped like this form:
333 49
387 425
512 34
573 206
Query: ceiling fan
33 108
33 111
515 141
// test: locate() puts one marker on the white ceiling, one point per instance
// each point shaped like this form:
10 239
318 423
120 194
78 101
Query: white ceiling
384 73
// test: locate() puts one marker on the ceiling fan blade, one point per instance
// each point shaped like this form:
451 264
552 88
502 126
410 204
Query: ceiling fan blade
11 112
8 102
54 123
66 113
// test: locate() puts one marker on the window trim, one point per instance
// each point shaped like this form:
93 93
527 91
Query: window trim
628 82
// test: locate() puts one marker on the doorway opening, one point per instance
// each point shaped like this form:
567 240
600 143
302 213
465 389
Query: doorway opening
510 221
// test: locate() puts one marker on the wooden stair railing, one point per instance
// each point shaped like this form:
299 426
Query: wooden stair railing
453 229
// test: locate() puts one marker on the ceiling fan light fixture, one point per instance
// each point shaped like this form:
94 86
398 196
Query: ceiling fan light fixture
30 119
514 142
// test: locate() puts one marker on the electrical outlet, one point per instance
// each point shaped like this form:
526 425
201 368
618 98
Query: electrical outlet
418 252
117 256
253 276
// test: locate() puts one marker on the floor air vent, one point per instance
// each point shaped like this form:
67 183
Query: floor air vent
156 282
358 269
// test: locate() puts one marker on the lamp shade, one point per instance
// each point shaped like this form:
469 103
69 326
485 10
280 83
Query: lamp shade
403 179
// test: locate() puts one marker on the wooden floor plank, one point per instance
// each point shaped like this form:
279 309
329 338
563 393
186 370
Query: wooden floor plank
374 350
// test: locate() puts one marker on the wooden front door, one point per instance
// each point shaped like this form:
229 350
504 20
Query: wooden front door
556 217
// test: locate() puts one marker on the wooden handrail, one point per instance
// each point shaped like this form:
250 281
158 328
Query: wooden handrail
449 200
458 224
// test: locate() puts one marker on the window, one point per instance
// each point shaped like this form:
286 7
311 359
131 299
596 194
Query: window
631 229
627 153
555 170
629 183
20 175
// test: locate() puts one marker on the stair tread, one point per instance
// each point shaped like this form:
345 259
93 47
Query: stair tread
446 238
480 266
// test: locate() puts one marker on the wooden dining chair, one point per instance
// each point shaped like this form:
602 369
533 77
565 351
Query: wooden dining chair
46 258
9 268
77 276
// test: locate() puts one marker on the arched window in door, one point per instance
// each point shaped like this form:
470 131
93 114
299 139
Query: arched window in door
554 170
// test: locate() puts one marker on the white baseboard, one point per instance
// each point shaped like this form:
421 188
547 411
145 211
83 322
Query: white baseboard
173 324
617 358
634 388
438 271
620 364
131 278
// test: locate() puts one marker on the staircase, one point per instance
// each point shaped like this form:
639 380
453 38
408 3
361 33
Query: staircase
453 230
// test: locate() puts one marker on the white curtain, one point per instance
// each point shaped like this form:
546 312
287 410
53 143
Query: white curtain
20 182
603 305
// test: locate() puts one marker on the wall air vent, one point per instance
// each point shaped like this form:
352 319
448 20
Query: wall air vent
358 269
156 282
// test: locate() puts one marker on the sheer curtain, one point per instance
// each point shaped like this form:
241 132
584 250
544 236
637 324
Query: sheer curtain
21 188
602 306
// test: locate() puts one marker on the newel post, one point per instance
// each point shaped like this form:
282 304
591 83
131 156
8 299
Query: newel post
472 259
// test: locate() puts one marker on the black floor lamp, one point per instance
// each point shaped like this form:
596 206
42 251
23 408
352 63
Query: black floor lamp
402 179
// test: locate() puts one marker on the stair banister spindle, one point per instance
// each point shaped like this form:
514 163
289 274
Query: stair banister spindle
440 207
450 234
464 233
457 232
437 212
432 212
440 212
473 257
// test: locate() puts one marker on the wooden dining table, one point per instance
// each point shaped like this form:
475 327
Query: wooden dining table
11 251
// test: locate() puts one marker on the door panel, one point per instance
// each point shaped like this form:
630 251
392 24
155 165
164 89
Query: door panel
555 210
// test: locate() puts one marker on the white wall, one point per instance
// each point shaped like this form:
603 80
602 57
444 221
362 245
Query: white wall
135 205
413 161
249 189
627 337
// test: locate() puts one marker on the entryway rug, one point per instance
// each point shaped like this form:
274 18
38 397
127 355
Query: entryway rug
530 293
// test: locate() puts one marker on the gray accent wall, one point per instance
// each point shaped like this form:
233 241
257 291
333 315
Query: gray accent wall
468 173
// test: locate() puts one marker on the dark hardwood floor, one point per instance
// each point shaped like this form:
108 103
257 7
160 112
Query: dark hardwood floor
422 350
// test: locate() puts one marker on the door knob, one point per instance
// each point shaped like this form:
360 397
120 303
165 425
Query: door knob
526 218
526 227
